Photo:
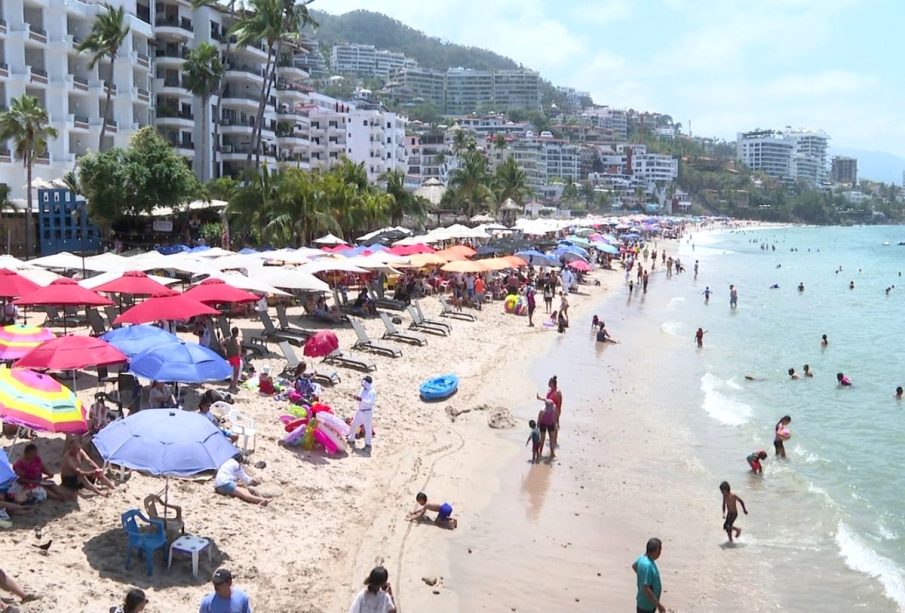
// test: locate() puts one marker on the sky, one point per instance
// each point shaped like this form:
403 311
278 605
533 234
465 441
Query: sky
716 66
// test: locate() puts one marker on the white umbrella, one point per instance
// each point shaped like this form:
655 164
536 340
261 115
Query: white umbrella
329 239
64 260
371 235
290 278
327 264
106 262
8 261
102 278
481 218
251 284
237 260
372 265
213 252
412 240
38 275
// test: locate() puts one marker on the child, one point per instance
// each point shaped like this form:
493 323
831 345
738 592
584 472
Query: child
730 510
443 511
535 438
595 323
699 337
843 380
754 460
265 382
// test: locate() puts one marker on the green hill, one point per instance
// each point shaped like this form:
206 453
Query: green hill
370 28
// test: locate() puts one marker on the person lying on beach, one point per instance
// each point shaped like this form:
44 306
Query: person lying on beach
229 476
843 380
754 461
534 438
444 512
73 477
730 510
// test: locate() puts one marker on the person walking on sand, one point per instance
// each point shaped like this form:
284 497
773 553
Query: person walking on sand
730 510
532 304
782 434
376 596
647 576
366 398
225 598
564 307
232 348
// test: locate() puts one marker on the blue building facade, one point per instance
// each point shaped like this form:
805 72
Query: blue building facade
63 223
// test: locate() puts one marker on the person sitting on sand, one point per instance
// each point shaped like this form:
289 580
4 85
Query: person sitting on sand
376 596
265 382
229 476
160 396
204 408
754 461
31 471
331 315
134 602
303 383
444 512
73 477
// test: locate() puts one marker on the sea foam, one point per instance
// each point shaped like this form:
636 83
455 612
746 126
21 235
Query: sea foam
720 406
861 558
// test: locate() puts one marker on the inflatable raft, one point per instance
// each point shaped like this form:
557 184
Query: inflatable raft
438 388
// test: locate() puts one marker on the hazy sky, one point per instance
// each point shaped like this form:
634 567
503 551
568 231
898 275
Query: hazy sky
723 66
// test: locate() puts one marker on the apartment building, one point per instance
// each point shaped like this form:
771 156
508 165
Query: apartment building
376 137
419 85
353 58
613 122
38 58
793 155
313 63
844 170
468 91
544 160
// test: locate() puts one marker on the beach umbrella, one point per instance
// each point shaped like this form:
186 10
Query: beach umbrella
39 402
180 362
290 278
450 255
420 260
320 344
561 247
165 308
217 291
132 340
70 353
164 442
463 250
515 261
17 340
496 264
105 277
135 283
330 264
13 285
63 292
580 266
6 470
462 266
411 249
329 239
536 258
567 256
63 260
606 248
252 284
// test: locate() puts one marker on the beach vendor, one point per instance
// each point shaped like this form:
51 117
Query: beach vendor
366 398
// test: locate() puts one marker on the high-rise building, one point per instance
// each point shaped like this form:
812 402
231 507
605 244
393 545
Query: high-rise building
422 85
613 122
544 160
376 137
844 170
468 91
354 58
794 155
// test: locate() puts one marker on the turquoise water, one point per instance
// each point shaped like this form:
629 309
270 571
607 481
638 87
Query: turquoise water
834 508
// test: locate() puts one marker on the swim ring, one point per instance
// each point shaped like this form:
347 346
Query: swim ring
515 305
438 388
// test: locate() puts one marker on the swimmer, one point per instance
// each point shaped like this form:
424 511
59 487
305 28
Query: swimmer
707 293
754 461
843 380
753 378
899 393
801 287
792 374
851 285
807 371
774 286
824 342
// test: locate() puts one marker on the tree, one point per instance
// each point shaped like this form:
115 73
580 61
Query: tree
569 193
133 181
298 213
470 183
203 72
510 181
107 35
249 208
425 112
404 202
26 124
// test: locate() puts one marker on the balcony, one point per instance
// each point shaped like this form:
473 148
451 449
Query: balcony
37 34
2 26
171 56
112 126
142 94
248 73
183 146
81 122
171 86
241 100
79 83
164 112
173 25
142 59
110 87
38 75
4 70
5 155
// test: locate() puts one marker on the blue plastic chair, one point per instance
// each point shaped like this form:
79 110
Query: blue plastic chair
145 541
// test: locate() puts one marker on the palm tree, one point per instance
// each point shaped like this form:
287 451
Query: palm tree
107 35
299 212
510 181
569 193
26 124
203 72
470 182
404 202
251 206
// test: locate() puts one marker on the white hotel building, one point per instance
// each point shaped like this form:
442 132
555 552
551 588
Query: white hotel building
793 155
38 58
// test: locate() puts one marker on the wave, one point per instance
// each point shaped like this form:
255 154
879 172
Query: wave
673 328
720 406
861 558
673 302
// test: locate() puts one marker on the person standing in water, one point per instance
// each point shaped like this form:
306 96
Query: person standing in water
695 270
707 293
733 297
554 395
730 510
699 337
824 342
781 435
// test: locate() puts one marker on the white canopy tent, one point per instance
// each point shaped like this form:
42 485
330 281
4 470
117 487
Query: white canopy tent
63 260
329 239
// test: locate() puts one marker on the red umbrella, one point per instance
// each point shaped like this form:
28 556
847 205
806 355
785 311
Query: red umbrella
63 292
165 308
321 344
217 291
579 265
70 353
13 285
136 283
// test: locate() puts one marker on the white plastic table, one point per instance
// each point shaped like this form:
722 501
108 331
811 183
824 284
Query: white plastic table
194 545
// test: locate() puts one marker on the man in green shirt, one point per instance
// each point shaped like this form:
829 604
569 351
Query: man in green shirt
649 588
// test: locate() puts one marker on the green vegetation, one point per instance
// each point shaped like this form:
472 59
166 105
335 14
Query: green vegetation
27 126
203 71
122 182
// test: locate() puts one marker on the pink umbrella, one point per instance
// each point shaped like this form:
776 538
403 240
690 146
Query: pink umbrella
410 249
13 285
579 265
217 291
320 344
70 353
165 308
63 292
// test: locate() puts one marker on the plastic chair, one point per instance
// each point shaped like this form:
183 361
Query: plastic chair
244 427
145 541
173 524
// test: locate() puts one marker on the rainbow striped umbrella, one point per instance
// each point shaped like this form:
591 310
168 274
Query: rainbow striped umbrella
39 402
17 340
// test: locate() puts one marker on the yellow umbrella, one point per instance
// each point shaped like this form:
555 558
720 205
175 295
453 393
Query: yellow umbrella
464 266
497 264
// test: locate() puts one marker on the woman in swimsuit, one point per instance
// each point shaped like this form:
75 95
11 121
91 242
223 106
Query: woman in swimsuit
781 435
546 422
554 395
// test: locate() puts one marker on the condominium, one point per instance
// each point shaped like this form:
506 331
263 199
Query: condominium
469 91
844 170
376 138
793 155
422 86
613 122
353 58
545 160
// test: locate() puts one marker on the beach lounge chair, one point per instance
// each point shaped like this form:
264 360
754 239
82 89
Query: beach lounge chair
341 359
271 334
386 303
292 362
394 334
365 342
450 311
419 324
145 540
428 320
288 328
96 322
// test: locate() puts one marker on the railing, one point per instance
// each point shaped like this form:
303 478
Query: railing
177 52
226 121
43 160
164 112
3 24
111 87
112 124
79 119
143 58
174 22
5 155
247 69
143 93
242 96
186 24
4 69
172 82
181 144
79 82
37 33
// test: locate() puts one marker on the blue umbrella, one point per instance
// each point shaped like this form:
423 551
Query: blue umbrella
180 362
165 442
605 247
247 251
6 471
566 246
199 249
536 258
171 249
132 340
568 256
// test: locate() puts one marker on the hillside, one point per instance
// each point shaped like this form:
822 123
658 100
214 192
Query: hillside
370 28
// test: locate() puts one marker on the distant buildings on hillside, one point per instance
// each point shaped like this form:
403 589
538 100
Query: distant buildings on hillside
790 155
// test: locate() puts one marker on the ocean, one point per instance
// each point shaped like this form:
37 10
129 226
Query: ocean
829 520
